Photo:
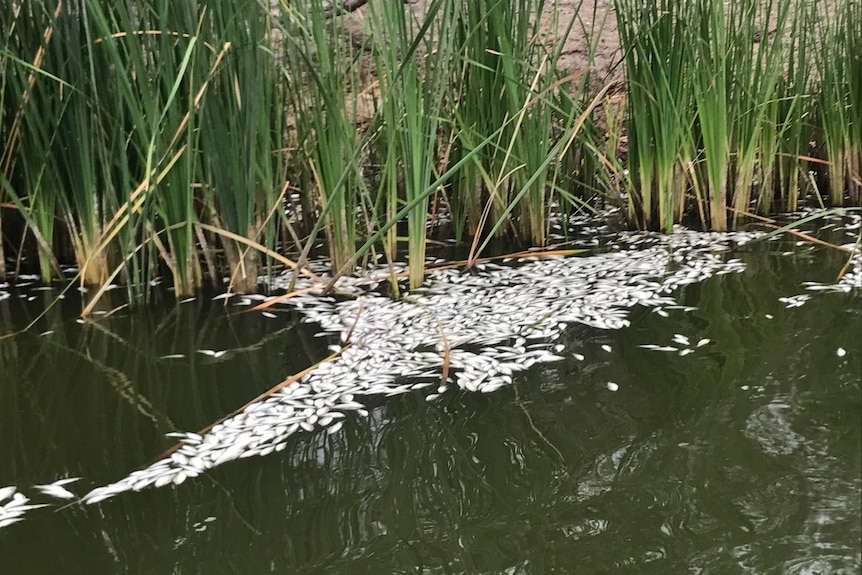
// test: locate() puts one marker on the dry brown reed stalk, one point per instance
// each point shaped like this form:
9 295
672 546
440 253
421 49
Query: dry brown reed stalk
256 235
280 298
806 237
263 249
849 261
444 376
290 380
773 225
802 236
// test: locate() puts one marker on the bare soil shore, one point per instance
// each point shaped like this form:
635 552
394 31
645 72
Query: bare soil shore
595 23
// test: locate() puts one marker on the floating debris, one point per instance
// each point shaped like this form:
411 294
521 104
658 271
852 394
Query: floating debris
498 321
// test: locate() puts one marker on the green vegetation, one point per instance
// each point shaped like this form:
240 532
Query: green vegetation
722 98
204 139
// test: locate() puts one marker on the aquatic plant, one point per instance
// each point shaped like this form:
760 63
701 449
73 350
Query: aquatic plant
839 62
721 98
206 140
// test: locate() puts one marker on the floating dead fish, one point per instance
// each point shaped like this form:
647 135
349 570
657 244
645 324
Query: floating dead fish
7 492
680 339
212 353
57 488
498 322
55 491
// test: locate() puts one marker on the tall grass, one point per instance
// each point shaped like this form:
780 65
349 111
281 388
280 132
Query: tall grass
181 134
322 87
721 99
508 77
793 113
204 140
413 85
660 114
839 60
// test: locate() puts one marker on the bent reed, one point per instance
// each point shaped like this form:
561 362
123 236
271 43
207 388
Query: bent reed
207 139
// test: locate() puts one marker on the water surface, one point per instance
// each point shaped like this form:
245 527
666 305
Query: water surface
743 457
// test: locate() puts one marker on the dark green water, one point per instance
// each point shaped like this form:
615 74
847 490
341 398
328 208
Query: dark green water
741 458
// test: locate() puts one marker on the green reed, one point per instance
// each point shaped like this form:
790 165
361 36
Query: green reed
164 118
199 139
509 72
839 62
25 82
322 88
241 122
656 49
754 79
793 110
413 85
720 104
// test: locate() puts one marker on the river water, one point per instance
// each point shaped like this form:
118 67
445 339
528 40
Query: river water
743 456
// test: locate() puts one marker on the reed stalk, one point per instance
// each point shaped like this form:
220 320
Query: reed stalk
838 58
321 88
794 109
414 69
241 123
656 48
145 138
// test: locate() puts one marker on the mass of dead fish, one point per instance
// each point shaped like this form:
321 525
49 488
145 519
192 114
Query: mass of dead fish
14 504
487 325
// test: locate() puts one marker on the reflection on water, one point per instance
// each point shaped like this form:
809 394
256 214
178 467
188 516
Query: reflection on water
743 457
769 427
